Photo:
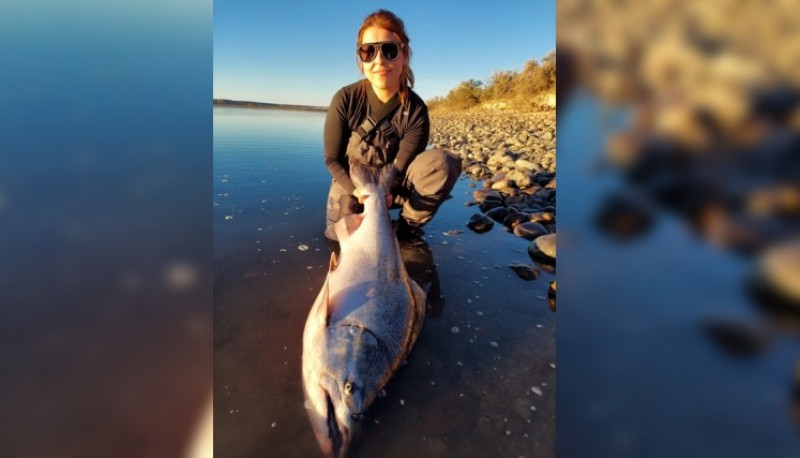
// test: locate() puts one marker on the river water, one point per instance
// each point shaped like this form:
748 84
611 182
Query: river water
481 379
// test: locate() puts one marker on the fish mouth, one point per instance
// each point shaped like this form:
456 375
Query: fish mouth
334 433
339 434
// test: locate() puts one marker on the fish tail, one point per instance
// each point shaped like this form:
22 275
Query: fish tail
364 175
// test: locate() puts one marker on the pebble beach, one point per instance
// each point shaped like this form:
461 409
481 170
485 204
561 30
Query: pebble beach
511 156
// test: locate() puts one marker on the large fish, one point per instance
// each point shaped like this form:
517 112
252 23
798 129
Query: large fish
364 322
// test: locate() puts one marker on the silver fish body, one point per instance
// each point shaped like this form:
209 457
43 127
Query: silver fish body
364 321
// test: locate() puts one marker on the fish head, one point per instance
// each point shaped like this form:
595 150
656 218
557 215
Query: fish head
336 420
358 365
332 426
345 388
333 435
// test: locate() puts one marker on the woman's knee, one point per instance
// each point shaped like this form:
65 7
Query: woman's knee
434 171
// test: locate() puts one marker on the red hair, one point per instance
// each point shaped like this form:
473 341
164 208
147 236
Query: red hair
387 20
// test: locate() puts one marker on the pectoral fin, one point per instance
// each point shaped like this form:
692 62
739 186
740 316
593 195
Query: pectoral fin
347 225
318 318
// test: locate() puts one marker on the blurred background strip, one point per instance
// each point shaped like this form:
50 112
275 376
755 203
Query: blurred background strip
679 153
105 226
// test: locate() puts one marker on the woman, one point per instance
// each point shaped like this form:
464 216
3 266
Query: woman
423 179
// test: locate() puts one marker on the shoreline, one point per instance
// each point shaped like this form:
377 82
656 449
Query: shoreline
437 112
265 105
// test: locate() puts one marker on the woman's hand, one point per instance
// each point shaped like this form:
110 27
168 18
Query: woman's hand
360 196
357 193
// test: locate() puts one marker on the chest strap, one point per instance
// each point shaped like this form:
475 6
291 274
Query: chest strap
371 122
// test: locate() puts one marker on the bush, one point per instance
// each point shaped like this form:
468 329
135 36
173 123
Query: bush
521 89
465 95
501 86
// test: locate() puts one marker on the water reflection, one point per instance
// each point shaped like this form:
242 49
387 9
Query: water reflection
418 259
738 337
624 215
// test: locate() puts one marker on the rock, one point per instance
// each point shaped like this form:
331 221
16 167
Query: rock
542 217
525 272
480 223
547 194
624 215
499 214
514 200
489 204
513 219
543 248
535 201
533 189
524 164
529 230
522 180
742 233
551 296
782 200
482 194
499 158
499 185
478 171
779 270
551 184
737 337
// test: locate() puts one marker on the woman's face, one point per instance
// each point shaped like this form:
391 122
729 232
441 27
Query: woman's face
383 74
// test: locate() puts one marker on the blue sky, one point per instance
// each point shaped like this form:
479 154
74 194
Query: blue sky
302 52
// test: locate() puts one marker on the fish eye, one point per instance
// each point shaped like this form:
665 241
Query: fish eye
348 388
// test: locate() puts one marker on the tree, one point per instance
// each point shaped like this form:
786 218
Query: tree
465 95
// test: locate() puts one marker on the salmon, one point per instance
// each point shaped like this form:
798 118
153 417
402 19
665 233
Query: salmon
364 321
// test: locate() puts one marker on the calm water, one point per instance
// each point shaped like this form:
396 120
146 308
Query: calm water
464 393
638 376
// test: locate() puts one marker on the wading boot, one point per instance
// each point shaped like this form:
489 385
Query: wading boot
409 231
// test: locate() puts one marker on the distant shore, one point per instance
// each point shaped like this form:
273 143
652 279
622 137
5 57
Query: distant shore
271 106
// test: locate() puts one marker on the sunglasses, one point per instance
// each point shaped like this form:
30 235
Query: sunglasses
367 52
